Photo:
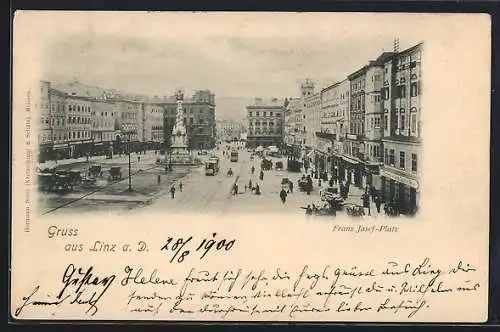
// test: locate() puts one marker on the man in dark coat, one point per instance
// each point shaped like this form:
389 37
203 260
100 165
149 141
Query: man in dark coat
378 202
172 192
283 196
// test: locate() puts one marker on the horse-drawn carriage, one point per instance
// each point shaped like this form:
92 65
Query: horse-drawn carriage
95 171
115 174
354 210
52 180
266 165
305 184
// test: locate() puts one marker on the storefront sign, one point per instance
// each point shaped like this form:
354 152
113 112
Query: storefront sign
398 178
351 136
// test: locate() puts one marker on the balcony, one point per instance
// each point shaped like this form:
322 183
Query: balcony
329 136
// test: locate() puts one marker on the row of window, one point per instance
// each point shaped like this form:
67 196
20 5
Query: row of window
79 108
400 91
399 124
257 113
389 159
277 131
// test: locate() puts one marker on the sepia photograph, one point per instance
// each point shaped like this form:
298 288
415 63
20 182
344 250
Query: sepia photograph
302 126
237 166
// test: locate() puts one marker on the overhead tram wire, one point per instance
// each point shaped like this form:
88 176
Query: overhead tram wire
95 191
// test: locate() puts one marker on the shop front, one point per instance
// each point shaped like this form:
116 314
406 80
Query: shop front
400 188
372 177
353 171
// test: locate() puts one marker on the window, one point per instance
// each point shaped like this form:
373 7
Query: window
372 123
402 91
402 159
414 162
265 113
270 113
391 157
414 89
402 124
386 121
258 113
413 124
377 122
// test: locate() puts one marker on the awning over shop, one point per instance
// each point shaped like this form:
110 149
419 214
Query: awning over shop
351 160
401 178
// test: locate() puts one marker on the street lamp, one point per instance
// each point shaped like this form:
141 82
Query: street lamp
129 133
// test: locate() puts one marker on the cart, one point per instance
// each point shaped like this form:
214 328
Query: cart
95 171
46 181
266 164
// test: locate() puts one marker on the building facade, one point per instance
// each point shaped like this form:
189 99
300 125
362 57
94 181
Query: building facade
402 142
265 119
229 130
77 120
153 125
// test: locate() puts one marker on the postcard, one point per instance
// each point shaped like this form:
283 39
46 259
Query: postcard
234 166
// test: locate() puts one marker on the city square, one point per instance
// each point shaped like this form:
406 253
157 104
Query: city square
349 147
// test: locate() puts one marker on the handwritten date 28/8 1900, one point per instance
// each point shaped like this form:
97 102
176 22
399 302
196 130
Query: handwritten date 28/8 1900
179 247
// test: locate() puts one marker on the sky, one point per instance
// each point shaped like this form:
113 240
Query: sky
237 56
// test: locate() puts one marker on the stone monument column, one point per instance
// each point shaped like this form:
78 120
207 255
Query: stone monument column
180 154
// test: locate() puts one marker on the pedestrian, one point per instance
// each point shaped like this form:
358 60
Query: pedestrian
253 170
309 211
138 158
378 202
180 186
172 192
283 196
261 176
245 188
366 202
257 189
250 184
290 185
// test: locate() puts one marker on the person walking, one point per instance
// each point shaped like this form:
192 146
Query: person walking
253 170
366 202
172 192
180 186
290 185
378 202
283 196
250 184
261 176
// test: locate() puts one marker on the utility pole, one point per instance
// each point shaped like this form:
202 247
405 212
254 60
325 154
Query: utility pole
129 166
129 133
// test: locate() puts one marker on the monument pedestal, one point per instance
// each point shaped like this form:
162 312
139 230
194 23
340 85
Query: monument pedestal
181 156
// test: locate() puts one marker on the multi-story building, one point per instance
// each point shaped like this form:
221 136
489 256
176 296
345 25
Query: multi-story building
265 123
79 125
328 133
229 130
353 146
199 119
402 142
103 125
153 125
297 126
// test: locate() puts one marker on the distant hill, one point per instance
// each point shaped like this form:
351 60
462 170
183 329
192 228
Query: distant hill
231 108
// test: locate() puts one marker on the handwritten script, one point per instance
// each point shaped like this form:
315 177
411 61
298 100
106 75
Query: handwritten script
399 288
